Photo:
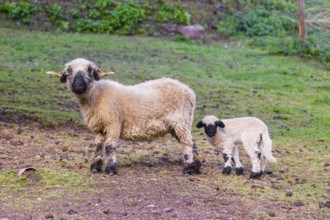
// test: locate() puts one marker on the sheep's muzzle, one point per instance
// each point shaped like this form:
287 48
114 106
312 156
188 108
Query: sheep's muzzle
79 85
210 130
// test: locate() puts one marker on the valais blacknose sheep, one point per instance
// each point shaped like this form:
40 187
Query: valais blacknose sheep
141 112
251 132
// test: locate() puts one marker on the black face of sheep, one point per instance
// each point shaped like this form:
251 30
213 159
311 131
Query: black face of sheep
210 129
79 75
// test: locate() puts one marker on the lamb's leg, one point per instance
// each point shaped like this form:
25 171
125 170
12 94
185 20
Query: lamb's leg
263 164
228 150
192 163
238 165
255 156
97 163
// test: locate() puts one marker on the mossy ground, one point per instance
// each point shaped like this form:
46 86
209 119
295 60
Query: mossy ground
41 127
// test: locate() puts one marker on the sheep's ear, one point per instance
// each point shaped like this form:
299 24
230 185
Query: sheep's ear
220 124
101 73
60 74
55 73
199 124
63 78
96 75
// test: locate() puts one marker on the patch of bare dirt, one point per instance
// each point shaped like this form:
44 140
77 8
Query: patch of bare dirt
149 185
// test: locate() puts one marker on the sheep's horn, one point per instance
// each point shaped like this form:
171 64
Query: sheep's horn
55 73
101 73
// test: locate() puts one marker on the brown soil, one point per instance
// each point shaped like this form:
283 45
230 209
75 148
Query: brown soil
149 185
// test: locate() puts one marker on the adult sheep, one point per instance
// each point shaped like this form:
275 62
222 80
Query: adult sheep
251 132
141 112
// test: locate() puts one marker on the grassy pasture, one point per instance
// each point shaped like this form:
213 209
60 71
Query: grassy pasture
230 80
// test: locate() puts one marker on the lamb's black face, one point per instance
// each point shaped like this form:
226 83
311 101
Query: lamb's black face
210 129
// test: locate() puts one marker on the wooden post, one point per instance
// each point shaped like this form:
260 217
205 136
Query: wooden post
301 18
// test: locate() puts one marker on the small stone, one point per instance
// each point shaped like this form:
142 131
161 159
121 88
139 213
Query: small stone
49 216
124 213
313 185
274 186
106 212
151 206
253 186
321 205
327 204
71 212
272 214
39 199
298 203
169 209
289 194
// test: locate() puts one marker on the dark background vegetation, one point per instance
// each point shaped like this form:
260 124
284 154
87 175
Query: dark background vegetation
271 24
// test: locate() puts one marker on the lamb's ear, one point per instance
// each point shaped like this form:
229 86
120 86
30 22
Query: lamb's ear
101 73
200 124
220 124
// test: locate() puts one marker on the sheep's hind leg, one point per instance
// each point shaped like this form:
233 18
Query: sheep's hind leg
255 156
192 163
111 168
97 163
263 164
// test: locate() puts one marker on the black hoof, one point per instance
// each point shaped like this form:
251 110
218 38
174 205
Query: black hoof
192 168
226 170
239 171
111 170
254 175
96 167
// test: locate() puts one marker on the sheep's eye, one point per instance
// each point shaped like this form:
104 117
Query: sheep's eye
90 69
70 70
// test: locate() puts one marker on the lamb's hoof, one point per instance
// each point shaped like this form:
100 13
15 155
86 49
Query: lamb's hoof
254 175
226 170
192 168
96 167
111 170
239 171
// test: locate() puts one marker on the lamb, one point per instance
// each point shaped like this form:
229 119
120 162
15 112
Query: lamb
251 132
141 112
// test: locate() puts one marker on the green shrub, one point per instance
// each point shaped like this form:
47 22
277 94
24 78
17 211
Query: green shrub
75 13
170 13
258 21
55 13
21 11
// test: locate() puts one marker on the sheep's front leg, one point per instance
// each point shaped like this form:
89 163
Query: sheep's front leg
238 165
97 163
110 147
228 150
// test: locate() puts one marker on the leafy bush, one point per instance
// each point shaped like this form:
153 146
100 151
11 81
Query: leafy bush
20 11
170 13
258 21
55 13
103 16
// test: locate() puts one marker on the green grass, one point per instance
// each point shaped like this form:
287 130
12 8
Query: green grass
290 94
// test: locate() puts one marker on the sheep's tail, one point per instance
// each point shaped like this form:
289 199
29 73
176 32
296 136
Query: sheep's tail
267 148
